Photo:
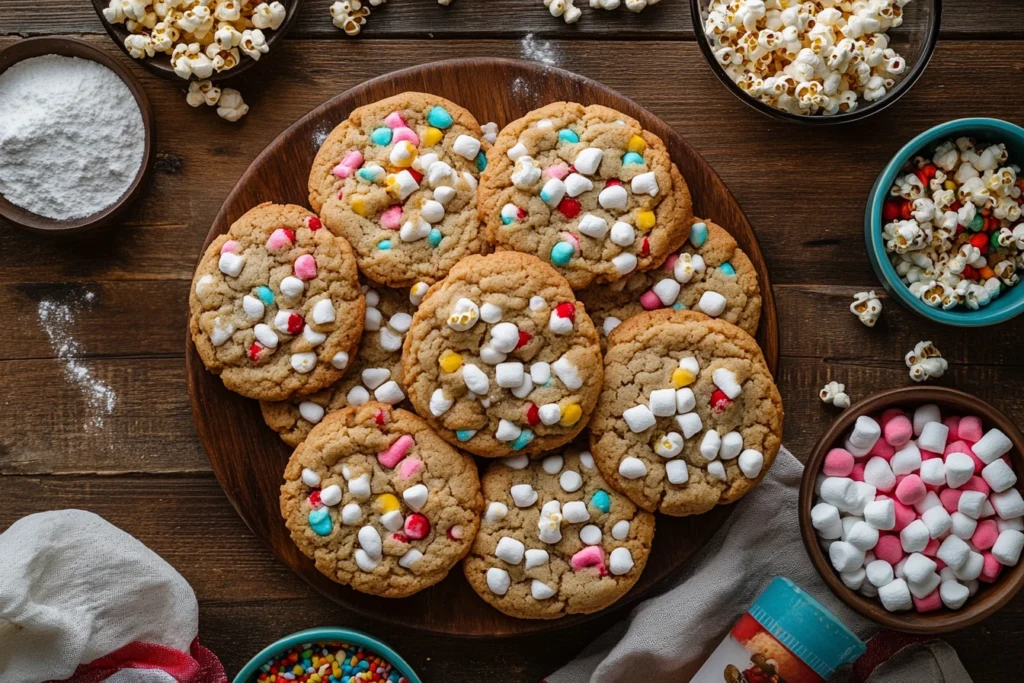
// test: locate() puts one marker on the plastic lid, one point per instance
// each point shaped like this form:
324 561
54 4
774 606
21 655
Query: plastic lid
806 627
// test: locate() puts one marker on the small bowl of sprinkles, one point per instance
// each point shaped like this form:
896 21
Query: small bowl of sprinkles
944 223
327 655
76 135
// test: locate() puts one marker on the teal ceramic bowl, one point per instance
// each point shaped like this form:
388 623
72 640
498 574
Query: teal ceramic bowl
1011 302
326 634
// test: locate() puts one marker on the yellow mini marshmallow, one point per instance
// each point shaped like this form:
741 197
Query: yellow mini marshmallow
385 503
358 205
402 154
571 414
431 136
450 361
636 144
645 220
682 378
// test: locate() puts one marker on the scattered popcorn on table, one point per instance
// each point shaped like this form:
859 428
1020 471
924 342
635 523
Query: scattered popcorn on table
565 9
231 106
349 15
925 362
202 92
816 57
202 37
835 394
866 307
952 225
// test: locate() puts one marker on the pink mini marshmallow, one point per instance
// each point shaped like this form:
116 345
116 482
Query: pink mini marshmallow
305 267
953 424
838 462
670 262
904 515
888 415
391 219
591 556
394 120
279 239
857 474
403 133
349 163
970 429
976 483
229 247
931 548
950 499
558 171
409 467
882 449
898 431
985 534
889 549
649 300
928 603
991 569
911 490
396 451
928 455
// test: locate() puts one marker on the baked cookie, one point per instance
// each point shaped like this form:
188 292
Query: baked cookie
585 189
555 538
689 417
276 309
379 502
398 179
375 373
501 358
710 274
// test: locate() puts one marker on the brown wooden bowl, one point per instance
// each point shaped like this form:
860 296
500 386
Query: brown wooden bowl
990 598
160 64
71 47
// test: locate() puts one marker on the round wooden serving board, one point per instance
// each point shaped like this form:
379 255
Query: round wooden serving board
249 459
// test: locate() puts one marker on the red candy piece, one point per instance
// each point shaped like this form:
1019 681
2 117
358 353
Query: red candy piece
645 247
417 526
256 352
416 175
891 209
566 310
613 182
381 418
455 533
524 339
532 414
520 213
572 169
719 401
569 207
295 323
905 211
314 223
981 242
314 499
400 537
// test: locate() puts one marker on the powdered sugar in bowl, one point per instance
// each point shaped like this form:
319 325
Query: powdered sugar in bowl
76 138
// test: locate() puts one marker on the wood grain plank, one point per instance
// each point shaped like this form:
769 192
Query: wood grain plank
491 18
803 190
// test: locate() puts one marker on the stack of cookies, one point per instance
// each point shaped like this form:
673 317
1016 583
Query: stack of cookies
546 303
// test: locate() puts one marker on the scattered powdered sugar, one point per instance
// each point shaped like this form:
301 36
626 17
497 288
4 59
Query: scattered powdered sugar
56 318
538 51
319 135
71 136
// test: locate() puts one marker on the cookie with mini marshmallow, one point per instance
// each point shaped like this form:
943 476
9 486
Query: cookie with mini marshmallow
585 189
501 358
689 417
276 308
380 502
710 274
555 538
398 179
374 375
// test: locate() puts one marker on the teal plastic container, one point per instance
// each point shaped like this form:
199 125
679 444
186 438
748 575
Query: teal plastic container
1011 301
326 634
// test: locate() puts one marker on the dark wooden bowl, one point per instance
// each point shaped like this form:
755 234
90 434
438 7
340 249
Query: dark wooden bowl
70 47
160 64
990 598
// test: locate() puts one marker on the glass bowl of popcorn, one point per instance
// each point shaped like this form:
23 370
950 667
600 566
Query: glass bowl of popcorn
818 62
944 223
197 39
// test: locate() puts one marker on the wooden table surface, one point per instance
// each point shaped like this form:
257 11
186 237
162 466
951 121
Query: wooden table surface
141 466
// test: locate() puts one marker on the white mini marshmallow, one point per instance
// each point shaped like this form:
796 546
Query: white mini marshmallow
575 185
732 445
937 520
857 451
311 412
491 356
410 558
523 495
922 589
507 431
930 500
663 402
998 475
389 392
393 520
881 514
670 445
868 591
369 540
490 313
895 596
933 437
254 308
710 444
1008 547
416 497
933 472
303 362
716 470
677 472
495 512
540 373
575 511
475 379
953 551
439 403
516 462
712 303
862 536
971 568
855 579
645 183
667 291
620 561
505 337
624 262
879 573
498 580
963 526
509 375
613 197
535 557
590 535
750 462
865 432
1016 523
914 537
550 413
685 400
552 464
690 424
567 373
357 396
839 491
621 530
925 414
845 557
351 514
374 377
1008 504
310 478
593 226
953 594
231 264
906 460
971 503
466 146
632 468
588 160
639 418
725 379
918 568
570 481
878 473
510 550
331 495
959 469
993 445
540 590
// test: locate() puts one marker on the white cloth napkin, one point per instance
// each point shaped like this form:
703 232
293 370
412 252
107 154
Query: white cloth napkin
669 636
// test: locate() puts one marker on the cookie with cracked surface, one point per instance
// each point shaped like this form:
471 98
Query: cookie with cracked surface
375 373
556 539
276 308
689 417
585 189
710 274
379 501
501 358
398 179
